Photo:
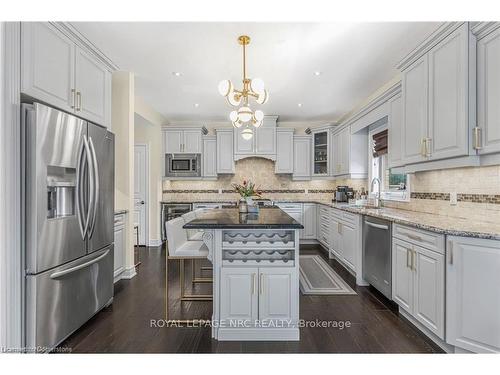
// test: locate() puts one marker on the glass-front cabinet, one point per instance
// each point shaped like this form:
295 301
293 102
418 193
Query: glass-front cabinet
320 150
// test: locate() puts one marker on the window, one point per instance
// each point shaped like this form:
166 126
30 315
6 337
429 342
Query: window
394 186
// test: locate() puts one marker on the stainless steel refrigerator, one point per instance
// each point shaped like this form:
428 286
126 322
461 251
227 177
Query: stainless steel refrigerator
68 172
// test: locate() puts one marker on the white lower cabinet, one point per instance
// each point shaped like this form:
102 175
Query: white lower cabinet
418 283
344 236
238 294
348 233
473 294
250 294
309 221
336 237
119 251
295 211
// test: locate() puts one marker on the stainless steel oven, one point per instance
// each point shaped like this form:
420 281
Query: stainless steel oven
182 165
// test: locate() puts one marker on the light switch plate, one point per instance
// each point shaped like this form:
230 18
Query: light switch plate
453 199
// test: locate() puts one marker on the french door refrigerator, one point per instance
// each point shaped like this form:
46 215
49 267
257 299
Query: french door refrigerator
68 172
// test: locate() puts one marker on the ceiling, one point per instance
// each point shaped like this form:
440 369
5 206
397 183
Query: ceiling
354 59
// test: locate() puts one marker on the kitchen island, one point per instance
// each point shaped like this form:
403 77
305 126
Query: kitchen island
255 261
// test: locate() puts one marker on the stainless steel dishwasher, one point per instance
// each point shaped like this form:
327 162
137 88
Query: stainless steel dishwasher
377 258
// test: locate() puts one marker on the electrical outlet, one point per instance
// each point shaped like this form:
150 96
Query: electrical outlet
453 199
220 191
307 191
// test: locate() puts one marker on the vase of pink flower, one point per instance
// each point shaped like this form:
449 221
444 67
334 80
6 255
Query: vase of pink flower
247 191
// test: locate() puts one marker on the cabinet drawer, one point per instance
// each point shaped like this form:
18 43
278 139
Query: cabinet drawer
119 220
290 206
349 217
337 213
420 237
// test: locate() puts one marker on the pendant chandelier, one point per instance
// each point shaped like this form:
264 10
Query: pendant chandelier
244 115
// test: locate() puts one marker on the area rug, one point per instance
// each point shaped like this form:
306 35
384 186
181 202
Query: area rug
317 277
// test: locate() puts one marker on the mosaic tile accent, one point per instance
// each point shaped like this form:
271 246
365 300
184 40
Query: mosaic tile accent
191 191
322 191
474 198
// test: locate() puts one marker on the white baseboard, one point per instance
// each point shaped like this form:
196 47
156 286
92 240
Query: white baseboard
258 334
129 273
155 242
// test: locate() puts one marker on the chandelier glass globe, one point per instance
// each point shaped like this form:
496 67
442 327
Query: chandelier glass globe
247 134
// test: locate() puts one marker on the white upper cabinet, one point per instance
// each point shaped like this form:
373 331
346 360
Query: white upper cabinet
93 84
415 104
209 159
320 152
438 100
488 93
302 157
349 153
48 65
395 122
263 142
57 71
472 294
225 159
284 151
172 140
192 142
182 141
448 134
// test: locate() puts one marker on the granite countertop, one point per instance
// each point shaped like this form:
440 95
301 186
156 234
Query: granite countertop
453 226
120 211
230 218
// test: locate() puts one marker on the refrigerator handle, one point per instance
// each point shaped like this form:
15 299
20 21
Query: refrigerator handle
79 190
91 184
96 186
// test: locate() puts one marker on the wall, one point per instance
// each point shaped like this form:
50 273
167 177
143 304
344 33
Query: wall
123 126
148 124
261 172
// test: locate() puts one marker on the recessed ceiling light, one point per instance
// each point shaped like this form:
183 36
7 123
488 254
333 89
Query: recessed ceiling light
196 105
299 105
177 74
317 73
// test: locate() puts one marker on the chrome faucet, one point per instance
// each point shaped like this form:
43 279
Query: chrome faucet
376 203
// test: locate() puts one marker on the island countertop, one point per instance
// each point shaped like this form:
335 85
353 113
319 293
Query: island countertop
230 218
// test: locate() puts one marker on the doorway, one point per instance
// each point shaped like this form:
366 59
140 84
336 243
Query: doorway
141 190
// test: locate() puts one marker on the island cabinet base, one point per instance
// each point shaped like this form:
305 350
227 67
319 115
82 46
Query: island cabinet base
256 283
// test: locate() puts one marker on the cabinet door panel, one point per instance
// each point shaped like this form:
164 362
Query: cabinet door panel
278 294
48 65
302 157
210 157
415 110
488 91
93 84
192 142
284 152
394 133
238 295
429 290
402 275
243 146
336 237
472 294
448 96
172 141
309 221
348 245
225 157
265 139
119 258
345 142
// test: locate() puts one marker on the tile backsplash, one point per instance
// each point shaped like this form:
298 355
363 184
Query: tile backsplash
477 188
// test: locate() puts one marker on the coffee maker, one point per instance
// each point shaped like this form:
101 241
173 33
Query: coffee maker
343 194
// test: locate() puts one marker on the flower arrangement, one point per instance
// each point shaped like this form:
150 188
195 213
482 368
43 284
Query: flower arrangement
247 189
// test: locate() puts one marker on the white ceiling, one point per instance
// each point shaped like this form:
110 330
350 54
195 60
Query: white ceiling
355 60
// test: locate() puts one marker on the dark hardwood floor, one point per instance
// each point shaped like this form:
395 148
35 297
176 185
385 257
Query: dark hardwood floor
125 326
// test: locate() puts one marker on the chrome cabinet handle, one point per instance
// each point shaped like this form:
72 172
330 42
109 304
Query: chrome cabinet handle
414 259
408 259
56 275
413 237
261 283
450 252
72 98
428 147
423 147
254 278
477 138
78 101
96 186
91 182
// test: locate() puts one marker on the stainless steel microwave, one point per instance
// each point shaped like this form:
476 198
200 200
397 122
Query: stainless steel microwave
182 165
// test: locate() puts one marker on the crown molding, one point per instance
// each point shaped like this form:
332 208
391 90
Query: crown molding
481 29
371 105
73 33
443 31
